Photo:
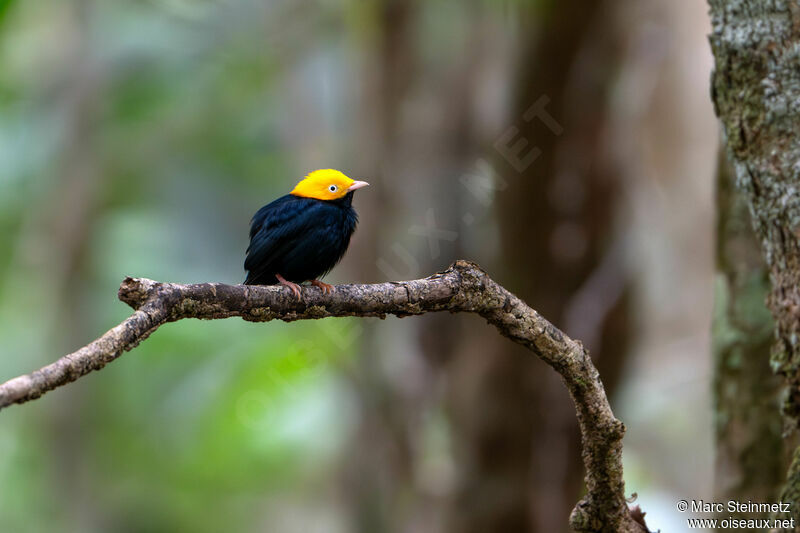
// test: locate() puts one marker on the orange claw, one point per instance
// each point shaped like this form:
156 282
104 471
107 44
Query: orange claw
326 289
293 286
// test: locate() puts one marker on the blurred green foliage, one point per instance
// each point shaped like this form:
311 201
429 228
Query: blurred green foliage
136 138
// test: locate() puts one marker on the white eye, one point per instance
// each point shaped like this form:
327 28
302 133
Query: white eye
333 188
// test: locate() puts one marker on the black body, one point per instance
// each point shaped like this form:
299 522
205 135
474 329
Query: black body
299 238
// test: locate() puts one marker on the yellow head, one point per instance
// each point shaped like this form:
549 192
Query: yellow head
327 184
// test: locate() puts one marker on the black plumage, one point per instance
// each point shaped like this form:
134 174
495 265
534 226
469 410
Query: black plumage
298 238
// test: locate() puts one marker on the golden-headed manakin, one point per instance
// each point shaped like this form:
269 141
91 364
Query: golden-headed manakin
303 235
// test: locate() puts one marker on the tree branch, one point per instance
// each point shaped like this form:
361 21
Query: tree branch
464 287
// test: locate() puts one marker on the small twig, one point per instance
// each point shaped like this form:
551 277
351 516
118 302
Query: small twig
464 287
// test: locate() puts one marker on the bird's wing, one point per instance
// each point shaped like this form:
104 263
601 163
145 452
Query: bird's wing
275 229
322 244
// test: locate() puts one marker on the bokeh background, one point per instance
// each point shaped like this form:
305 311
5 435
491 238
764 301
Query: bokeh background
568 147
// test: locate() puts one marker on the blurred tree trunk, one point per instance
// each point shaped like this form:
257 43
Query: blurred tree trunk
560 250
64 225
516 442
379 471
755 88
750 463
396 488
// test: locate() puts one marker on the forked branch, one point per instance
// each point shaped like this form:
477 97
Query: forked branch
464 287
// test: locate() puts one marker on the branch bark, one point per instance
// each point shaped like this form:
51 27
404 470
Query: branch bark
464 287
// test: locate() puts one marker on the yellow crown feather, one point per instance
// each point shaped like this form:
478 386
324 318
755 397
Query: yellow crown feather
324 184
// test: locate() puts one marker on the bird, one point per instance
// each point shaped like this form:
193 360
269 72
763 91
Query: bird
301 236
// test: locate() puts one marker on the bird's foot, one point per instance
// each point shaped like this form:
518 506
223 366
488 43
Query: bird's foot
293 286
326 289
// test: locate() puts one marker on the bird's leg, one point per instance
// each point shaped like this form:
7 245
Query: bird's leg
294 286
326 289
